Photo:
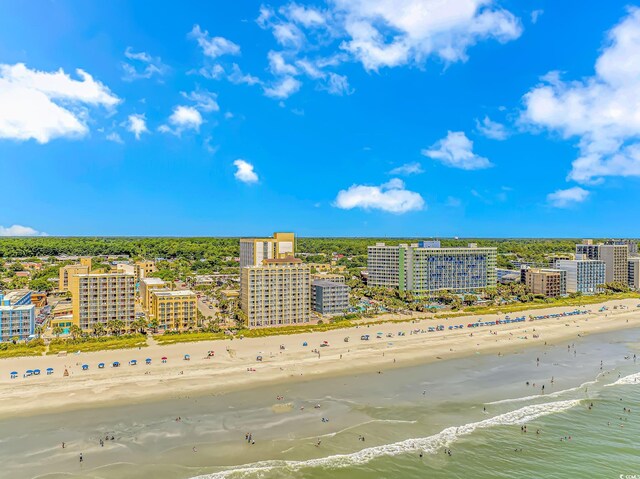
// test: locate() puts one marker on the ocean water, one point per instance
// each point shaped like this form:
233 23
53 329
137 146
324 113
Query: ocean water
475 407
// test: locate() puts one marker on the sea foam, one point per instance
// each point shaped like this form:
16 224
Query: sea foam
538 396
430 444
630 379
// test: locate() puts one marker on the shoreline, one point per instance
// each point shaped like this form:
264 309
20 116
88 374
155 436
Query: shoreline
229 370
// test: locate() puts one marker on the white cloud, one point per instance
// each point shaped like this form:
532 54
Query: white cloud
19 230
389 33
115 137
456 151
391 196
183 118
213 47
150 65
568 197
491 129
236 76
245 172
137 124
535 15
46 105
284 88
288 35
306 16
408 169
601 110
205 100
338 85
278 65
310 69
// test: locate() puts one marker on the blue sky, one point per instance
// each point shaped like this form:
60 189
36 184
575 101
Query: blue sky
335 118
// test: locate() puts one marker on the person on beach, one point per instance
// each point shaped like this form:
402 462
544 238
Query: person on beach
81 458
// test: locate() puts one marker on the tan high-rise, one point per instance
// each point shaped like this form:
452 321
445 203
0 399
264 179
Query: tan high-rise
67 272
254 250
276 293
102 297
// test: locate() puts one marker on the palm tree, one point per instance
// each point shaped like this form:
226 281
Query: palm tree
75 331
57 331
112 326
98 329
139 325
154 325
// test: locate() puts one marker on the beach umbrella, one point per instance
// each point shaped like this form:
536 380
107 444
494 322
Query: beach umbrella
85 367
49 371
115 364
101 365
36 372
164 359
29 372
148 360
133 362
14 374
187 357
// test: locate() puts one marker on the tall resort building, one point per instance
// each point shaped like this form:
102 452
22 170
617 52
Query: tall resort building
16 320
615 257
426 268
583 275
276 293
67 272
254 250
102 297
634 273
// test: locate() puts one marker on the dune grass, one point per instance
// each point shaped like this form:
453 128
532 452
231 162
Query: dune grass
105 343
33 348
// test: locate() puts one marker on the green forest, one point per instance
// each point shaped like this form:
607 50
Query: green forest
197 248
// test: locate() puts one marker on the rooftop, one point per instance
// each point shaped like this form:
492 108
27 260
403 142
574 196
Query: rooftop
168 292
152 281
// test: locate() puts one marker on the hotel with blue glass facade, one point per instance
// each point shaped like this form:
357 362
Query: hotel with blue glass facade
426 268
16 320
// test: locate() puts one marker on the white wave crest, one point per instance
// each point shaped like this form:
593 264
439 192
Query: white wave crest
430 444
550 395
630 379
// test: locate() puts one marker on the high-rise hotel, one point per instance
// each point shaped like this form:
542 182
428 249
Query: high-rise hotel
426 268
275 287
102 297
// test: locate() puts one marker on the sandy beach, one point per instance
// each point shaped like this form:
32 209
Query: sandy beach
235 366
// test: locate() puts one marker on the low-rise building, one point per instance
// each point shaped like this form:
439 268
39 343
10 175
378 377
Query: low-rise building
547 282
174 310
329 298
38 299
507 276
16 321
583 275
